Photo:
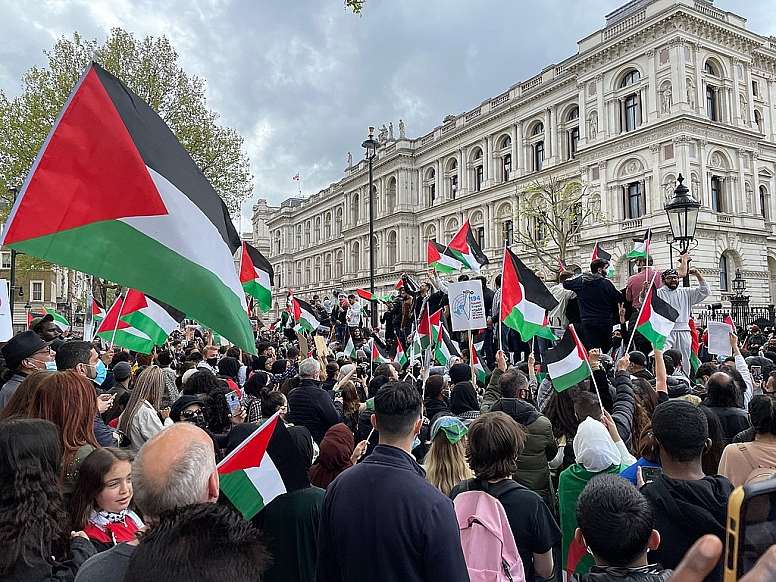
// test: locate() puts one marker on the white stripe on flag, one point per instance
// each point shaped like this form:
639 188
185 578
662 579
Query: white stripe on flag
660 324
562 367
266 479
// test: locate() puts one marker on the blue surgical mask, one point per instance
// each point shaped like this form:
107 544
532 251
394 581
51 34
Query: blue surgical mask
415 443
49 366
101 373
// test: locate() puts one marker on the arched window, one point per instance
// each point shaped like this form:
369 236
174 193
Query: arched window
724 273
764 202
709 69
573 114
538 156
507 166
317 229
390 195
711 102
538 129
307 233
338 221
327 226
478 154
506 142
327 267
338 266
317 270
630 78
355 257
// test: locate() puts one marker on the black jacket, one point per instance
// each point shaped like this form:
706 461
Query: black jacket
733 421
623 406
40 570
311 407
595 295
434 407
685 511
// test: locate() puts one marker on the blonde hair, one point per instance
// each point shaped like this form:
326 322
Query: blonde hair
148 386
445 463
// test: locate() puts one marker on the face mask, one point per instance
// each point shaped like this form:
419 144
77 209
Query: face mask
101 373
49 366
616 342
415 443
212 362
198 421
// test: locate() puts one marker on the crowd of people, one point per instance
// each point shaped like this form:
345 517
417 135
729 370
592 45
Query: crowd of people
415 471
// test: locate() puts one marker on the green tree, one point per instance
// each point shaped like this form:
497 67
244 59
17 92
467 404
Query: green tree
355 5
149 67
555 209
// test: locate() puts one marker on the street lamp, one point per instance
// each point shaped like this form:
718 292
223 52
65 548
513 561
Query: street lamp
371 145
682 211
739 303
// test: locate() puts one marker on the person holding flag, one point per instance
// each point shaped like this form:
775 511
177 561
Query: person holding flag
682 299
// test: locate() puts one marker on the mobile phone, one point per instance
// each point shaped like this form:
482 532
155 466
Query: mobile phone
751 527
233 401
338 394
649 474
757 374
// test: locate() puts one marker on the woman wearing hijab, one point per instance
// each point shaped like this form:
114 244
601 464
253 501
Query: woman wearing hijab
598 449
337 454
463 402
229 370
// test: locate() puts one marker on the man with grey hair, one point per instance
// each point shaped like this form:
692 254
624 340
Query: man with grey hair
176 467
309 405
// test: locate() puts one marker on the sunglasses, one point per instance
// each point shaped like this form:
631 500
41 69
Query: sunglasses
192 413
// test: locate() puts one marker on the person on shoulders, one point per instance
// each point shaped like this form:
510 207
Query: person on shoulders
597 298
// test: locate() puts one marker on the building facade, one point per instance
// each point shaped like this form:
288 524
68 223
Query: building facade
666 87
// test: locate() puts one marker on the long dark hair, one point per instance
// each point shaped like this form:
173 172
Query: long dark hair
32 512
91 480
560 411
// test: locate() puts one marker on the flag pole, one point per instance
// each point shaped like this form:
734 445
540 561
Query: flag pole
471 357
118 319
633 331
589 367
501 297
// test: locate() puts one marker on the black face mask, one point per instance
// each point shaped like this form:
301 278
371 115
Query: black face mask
212 362
198 420
616 342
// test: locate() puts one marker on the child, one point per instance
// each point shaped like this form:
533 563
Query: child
101 499
616 526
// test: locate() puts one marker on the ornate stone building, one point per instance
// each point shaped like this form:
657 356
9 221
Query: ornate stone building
666 87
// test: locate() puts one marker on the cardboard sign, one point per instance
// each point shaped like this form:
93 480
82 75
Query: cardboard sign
467 305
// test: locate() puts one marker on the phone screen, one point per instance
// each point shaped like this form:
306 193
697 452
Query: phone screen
650 473
757 530
232 401
757 374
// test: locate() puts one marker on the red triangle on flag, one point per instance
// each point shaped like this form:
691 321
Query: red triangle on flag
90 165
251 452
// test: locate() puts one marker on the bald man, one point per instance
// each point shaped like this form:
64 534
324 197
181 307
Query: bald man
176 467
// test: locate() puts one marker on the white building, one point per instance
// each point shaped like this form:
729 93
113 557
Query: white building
666 87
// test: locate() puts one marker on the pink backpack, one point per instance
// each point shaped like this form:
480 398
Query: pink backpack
488 544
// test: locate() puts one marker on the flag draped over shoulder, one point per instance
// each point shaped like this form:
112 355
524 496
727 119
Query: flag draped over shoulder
525 300
113 194
466 249
265 465
257 276
567 361
656 319
641 246
440 258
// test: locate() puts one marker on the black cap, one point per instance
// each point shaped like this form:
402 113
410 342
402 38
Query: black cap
179 405
21 346
638 358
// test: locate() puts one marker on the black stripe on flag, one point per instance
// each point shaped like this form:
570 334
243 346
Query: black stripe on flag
176 314
260 262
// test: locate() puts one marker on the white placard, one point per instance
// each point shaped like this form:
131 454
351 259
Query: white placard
6 327
467 306
719 338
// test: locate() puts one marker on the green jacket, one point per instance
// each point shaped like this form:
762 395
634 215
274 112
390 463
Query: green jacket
492 392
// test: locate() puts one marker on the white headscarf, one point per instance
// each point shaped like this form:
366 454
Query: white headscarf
345 370
593 446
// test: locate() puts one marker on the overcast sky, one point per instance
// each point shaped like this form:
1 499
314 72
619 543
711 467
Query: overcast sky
301 80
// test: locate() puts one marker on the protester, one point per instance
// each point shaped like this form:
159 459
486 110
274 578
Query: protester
436 402
36 543
102 496
424 543
142 419
463 399
445 462
19 404
753 461
311 407
337 454
24 354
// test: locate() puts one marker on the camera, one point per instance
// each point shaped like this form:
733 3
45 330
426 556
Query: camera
714 306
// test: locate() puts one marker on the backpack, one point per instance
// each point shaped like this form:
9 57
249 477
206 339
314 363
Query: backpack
758 472
488 544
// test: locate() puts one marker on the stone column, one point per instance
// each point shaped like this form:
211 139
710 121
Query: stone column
704 179
489 178
520 149
650 109
653 193
582 114
605 202
604 128
738 114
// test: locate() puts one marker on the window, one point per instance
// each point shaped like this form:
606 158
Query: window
327 226
506 142
279 275
540 229
711 103
509 233
431 194
538 129
709 69
631 112
507 164
723 273
538 156
5 260
573 142
573 114
758 120
716 194
764 202
634 200
480 234
629 79
453 186
754 88
36 290
478 178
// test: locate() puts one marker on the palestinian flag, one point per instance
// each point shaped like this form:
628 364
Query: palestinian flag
641 246
401 357
251 306
257 276
435 323
599 253
424 330
481 371
541 374
567 361
656 319
372 297
695 345
113 194
446 348
117 332
98 311
479 342
465 248
264 466
350 348
728 320
58 319
303 316
525 300
378 355
439 258
29 319
562 266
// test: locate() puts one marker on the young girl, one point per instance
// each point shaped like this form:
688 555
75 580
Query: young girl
102 496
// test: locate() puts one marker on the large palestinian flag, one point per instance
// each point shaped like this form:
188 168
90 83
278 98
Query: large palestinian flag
257 276
439 258
114 194
656 319
567 361
466 249
262 467
525 300
304 316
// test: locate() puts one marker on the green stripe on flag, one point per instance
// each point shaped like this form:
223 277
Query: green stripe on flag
261 294
655 337
571 378
241 491
527 329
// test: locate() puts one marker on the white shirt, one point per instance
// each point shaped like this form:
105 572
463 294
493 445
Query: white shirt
354 314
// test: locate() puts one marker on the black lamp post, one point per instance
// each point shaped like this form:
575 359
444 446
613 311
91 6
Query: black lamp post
682 211
739 303
371 145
